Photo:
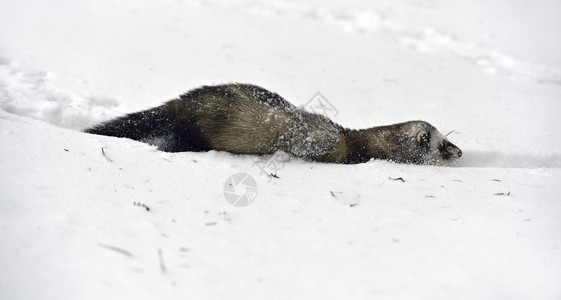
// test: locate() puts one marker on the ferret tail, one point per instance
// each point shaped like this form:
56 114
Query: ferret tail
141 126
157 127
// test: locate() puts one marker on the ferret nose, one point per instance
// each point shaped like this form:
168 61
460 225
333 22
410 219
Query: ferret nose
459 153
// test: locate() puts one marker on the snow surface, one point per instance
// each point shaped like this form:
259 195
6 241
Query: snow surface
73 219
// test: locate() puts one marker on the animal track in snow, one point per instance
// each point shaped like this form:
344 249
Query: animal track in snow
426 40
29 93
479 159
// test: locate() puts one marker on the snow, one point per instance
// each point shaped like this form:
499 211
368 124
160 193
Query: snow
73 219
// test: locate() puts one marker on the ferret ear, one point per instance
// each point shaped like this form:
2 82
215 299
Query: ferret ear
423 140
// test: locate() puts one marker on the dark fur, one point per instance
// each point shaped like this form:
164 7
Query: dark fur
247 119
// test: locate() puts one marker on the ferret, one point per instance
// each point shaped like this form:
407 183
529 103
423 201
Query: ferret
248 119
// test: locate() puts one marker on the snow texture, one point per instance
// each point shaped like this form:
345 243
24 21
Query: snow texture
94 217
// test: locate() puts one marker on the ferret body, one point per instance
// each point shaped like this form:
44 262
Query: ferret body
247 119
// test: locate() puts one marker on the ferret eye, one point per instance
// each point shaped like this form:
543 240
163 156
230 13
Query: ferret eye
424 140
444 146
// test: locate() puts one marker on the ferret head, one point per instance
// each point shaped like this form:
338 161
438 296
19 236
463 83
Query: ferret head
419 142
433 146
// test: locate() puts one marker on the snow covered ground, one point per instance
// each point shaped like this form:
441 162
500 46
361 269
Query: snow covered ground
132 222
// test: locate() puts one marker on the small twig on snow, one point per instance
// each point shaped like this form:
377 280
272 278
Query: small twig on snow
503 194
161 259
105 155
142 205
